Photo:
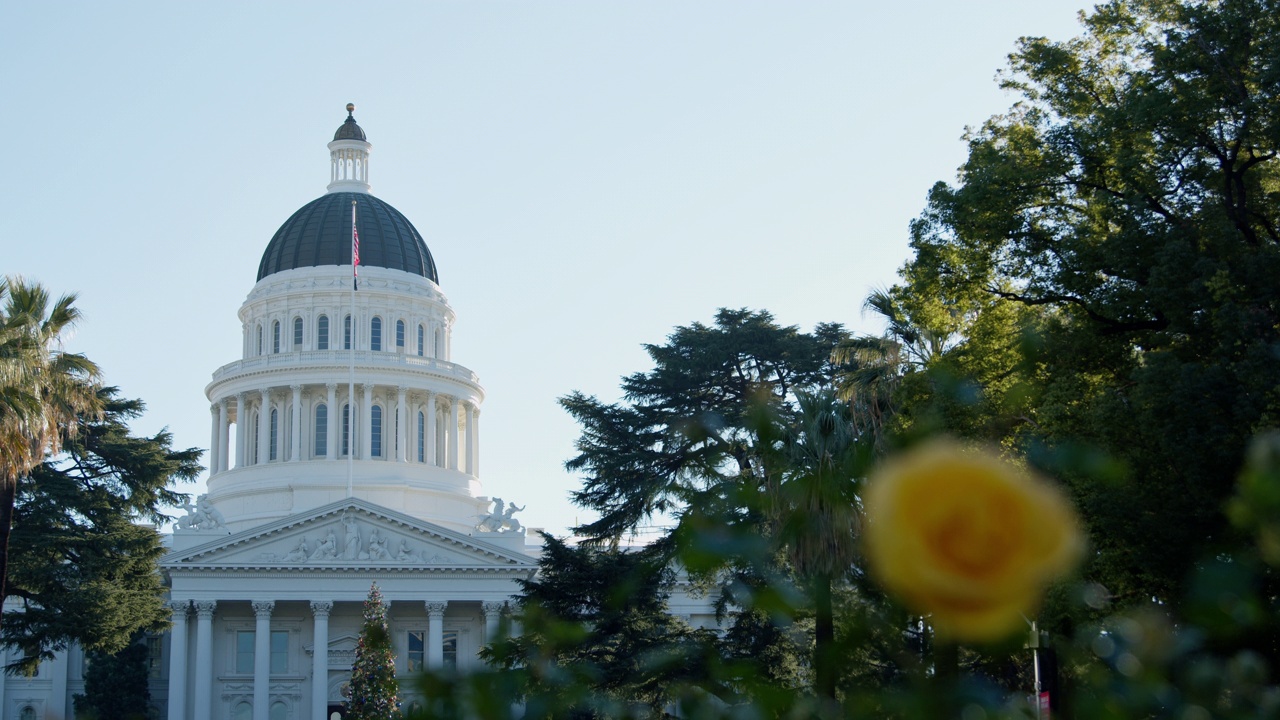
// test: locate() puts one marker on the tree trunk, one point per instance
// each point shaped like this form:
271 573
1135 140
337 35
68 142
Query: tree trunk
824 650
8 495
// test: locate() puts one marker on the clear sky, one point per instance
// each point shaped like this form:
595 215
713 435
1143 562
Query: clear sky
587 175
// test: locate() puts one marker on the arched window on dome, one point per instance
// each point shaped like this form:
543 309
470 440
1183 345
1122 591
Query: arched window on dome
375 431
399 336
346 430
322 430
275 336
422 437
422 333
275 435
297 333
346 333
439 345
375 334
322 333
259 350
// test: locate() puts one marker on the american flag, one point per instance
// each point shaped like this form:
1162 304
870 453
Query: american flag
355 250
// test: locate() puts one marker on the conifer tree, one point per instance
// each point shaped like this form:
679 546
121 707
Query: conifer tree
373 675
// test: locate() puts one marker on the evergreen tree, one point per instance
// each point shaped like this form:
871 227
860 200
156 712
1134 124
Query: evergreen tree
116 687
82 565
373 675
599 616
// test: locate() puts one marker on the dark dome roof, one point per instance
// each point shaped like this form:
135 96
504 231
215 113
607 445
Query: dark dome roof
349 130
319 233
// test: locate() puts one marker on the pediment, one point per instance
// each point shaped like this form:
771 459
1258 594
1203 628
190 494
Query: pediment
350 533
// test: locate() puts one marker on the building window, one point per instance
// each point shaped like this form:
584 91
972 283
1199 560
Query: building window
155 645
375 432
417 651
422 332
346 333
243 711
244 652
27 713
275 336
322 430
346 430
279 652
400 335
375 334
451 650
278 711
422 436
259 351
275 434
297 333
322 333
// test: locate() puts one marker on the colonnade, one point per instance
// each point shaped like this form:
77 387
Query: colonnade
202 654
433 428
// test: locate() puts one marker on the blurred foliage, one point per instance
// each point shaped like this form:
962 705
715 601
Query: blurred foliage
1096 296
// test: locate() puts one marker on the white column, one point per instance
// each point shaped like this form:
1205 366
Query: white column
261 657
58 683
204 659
264 427
492 613
431 429
451 433
242 422
435 635
468 411
178 660
402 425
366 423
224 442
295 454
213 439
320 660
335 419
475 442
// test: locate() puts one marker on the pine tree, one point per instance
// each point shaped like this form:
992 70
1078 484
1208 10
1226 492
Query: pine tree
373 675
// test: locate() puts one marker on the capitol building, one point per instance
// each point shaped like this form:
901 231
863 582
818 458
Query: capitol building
344 451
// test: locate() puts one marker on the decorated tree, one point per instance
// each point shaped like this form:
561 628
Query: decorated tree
373 675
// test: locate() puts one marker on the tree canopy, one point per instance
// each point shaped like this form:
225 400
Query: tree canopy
1127 210
83 564
685 429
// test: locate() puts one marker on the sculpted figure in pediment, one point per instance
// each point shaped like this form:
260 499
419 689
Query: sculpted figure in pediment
377 547
407 556
327 549
352 550
298 554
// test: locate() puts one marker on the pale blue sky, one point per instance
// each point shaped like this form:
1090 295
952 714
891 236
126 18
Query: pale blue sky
588 175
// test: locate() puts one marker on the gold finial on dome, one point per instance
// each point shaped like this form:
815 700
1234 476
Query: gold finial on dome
351 108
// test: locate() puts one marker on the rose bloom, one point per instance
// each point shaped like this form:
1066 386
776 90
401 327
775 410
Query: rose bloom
967 537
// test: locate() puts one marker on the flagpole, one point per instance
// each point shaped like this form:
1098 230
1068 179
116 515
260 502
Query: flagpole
351 376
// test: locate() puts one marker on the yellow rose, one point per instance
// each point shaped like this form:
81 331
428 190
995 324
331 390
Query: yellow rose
967 537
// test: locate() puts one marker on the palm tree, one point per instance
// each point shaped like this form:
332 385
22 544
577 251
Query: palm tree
819 511
875 365
43 389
